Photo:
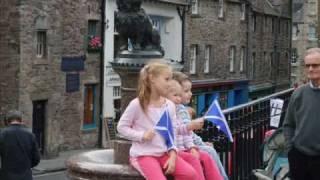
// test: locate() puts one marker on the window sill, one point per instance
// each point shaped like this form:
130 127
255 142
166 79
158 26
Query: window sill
89 129
93 50
195 16
40 61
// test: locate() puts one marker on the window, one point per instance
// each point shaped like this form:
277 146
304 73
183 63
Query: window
223 99
243 11
207 59
193 58
266 25
254 23
294 56
271 64
312 32
89 107
41 43
195 7
92 27
221 9
253 64
156 22
272 25
232 56
242 58
295 31
116 92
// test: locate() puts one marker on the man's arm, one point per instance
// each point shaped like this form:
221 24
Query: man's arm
289 124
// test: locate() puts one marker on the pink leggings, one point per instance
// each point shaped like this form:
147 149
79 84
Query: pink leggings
151 167
209 166
194 162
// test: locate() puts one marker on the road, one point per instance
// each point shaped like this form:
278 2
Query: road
51 176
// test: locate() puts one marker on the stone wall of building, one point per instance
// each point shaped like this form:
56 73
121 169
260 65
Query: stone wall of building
9 55
305 16
206 28
271 45
42 78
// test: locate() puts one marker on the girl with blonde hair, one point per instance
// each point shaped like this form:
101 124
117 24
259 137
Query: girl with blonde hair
149 153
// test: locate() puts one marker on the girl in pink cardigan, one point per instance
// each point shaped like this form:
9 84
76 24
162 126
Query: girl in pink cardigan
149 153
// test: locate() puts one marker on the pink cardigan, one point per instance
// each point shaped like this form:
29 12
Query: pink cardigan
134 122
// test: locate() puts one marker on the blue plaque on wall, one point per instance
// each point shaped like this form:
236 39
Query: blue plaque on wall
72 82
72 63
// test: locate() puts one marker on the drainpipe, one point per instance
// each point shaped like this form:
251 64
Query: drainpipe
182 13
103 24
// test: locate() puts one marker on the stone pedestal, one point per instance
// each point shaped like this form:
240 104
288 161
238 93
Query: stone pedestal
109 164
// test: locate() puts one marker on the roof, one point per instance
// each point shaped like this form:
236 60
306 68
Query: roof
178 2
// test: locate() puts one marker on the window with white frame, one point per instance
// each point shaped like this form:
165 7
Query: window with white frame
243 11
312 32
207 58
116 91
156 22
232 56
193 58
195 7
242 58
41 43
221 9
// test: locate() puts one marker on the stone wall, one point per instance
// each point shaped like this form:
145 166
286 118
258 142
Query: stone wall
206 28
9 55
66 25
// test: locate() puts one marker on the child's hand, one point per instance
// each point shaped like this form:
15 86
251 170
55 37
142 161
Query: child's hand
195 153
148 135
196 124
170 165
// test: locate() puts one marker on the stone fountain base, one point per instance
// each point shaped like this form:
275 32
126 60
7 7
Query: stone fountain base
109 164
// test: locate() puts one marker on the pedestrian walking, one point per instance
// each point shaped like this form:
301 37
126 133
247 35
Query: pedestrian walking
18 149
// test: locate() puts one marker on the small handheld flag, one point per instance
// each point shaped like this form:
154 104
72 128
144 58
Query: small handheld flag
165 129
215 115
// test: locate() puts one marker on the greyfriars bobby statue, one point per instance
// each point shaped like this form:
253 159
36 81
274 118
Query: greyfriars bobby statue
132 22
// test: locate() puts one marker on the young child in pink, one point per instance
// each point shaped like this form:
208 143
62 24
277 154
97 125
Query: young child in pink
185 145
149 153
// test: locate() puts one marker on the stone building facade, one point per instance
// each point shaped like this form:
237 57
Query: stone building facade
228 50
50 72
270 46
305 35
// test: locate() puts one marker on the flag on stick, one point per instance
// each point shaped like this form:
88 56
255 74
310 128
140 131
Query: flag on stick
165 129
215 115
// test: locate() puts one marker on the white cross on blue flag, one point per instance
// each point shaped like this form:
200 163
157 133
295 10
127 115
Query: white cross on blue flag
215 115
165 129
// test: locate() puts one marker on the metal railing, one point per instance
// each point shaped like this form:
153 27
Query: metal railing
248 123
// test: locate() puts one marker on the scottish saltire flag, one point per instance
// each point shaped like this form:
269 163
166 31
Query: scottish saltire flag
165 129
215 115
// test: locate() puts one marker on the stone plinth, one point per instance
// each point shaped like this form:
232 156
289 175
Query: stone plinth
103 164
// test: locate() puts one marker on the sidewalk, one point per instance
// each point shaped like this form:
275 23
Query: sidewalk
56 164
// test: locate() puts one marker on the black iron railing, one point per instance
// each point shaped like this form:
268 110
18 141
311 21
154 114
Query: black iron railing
248 123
